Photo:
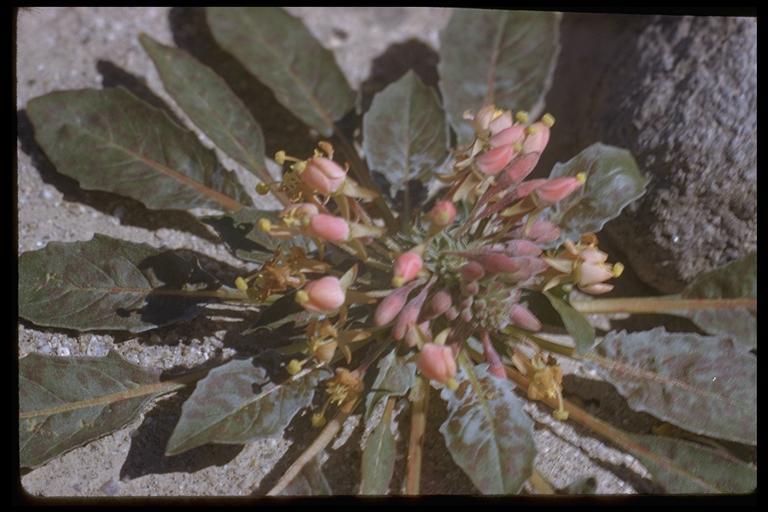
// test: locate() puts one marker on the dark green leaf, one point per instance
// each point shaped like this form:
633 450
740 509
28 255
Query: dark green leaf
210 104
279 50
104 283
735 280
237 403
67 402
487 432
501 57
578 327
309 482
703 384
396 376
613 181
111 140
704 469
379 458
404 132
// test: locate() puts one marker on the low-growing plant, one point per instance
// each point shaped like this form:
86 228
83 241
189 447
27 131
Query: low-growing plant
374 298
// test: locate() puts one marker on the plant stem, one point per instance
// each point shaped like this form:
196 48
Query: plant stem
658 304
321 441
416 439
541 342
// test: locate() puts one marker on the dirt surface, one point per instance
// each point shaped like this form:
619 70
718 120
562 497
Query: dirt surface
69 48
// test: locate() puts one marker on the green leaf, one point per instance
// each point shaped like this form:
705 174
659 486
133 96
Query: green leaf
111 140
279 50
503 57
310 481
613 181
209 102
237 403
705 470
396 376
105 283
487 432
379 453
67 402
578 327
735 280
404 132
703 384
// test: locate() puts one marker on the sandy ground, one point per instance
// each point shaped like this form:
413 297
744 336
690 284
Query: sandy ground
69 48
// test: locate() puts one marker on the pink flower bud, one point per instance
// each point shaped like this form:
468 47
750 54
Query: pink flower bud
526 187
436 362
452 313
473 288
472 271
593 255
409 315
391 305
501 123
407 267
557 189
597 288
437 305
512 135
522 248
322 296
522 317
494 160
328 227
414 333
541 232
495 366
483 117
529 267
323 175
443 214
496 262
537 139
301 210
519 169
592 273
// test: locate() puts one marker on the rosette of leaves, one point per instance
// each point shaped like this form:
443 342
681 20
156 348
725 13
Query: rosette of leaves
111 140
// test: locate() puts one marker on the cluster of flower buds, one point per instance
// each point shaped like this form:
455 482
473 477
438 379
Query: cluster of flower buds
455 275
311 184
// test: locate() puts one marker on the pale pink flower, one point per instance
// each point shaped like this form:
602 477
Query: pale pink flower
323 175
328 227
322 296
436 362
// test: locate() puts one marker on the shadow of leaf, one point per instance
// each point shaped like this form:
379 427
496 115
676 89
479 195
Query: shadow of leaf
282 130
146 455
394 62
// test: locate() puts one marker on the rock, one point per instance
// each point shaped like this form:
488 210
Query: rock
680 93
